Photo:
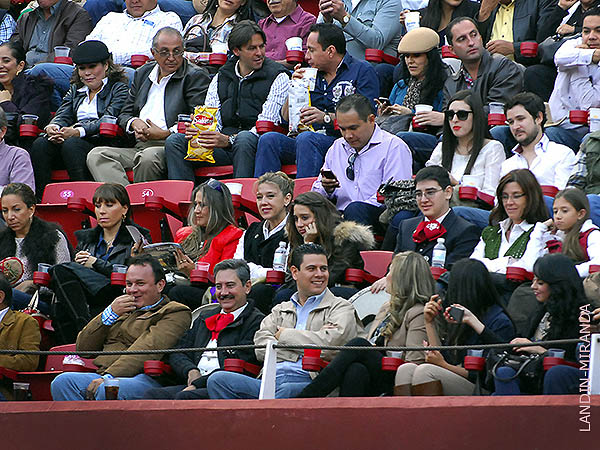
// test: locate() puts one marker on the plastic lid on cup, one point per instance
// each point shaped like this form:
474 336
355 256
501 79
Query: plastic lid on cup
42 267
496 108
203 266
119 268
61 51
109 119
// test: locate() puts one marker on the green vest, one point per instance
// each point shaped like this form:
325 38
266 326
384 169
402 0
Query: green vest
492 236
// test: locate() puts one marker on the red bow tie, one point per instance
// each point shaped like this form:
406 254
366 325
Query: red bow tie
217 322
428 231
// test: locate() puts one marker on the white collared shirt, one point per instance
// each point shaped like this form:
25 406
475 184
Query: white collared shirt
3 313
154 109
256 270
439 219
88 110
552 166
125 35
499 264
210 360
577 84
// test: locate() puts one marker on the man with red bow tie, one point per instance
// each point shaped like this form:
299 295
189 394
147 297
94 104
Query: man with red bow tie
232 322
420 234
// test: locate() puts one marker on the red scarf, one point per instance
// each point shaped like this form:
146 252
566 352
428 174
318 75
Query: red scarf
217 322
428 231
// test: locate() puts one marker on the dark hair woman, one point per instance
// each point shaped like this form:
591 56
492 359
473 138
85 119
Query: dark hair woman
83 287
314 219
21 93
98 89
466 147
506 241
559 289
399 322
29 239
439 13
484 321
212 238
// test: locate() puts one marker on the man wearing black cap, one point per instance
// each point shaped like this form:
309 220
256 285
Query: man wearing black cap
160 91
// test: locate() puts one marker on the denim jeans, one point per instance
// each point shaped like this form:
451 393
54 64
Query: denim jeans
99 8
72 386
231 385
307 150
594 208
561 380
364 213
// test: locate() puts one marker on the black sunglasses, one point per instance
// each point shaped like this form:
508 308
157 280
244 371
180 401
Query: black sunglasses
350 168
461 114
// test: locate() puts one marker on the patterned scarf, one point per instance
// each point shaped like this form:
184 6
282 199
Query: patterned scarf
413 94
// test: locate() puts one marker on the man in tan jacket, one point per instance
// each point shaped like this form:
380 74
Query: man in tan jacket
142 319
313 316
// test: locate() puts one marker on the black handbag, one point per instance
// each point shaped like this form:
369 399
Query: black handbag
529 369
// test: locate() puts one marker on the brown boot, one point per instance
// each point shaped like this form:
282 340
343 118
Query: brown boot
403 390
429 388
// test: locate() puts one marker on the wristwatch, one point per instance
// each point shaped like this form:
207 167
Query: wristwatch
327 119
345 19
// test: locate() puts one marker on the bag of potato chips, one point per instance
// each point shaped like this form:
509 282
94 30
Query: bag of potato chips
299 97
204 119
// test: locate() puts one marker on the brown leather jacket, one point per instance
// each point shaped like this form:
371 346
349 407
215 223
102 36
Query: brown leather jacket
159 327
20 332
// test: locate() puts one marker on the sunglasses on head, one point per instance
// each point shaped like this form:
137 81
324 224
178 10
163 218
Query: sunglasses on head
214 184
461 114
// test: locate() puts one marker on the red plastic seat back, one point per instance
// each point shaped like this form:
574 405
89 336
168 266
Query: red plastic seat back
58 193
173 191
377 261
302 185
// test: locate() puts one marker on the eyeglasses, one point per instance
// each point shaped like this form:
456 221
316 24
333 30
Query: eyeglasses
506 197
429 193
166 53
350 168
461 114
214 184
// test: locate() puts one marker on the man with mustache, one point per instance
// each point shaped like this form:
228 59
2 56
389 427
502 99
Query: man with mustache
232 322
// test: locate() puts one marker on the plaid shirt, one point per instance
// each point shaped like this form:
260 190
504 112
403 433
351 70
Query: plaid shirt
579 173
7 28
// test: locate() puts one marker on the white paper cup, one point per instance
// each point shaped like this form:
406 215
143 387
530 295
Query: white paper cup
234 188
423 108
411 20
594 119
294 43
219 47
496 108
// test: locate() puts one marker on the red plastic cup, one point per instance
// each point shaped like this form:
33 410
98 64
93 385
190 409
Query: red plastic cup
294 56
476 363
41 278
29 130
217 59
311 360
417 127
518 274
234 365
393 60
153 368
198 276
579 117
467 193
109 129
183 120
437 272
447 52
594 268
374 55
496 119
275 277
550 191
551 361
264 126
390 363
355 275
138 60
529 49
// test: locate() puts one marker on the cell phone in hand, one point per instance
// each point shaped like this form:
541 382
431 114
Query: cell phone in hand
384 101
456 313
328 174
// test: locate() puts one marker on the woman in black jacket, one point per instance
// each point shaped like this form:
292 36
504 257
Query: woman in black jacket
21 93
559 289
83 287
439 13
98 89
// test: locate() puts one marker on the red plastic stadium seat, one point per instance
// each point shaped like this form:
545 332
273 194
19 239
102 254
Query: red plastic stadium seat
214 172
377 261
302 185
156 206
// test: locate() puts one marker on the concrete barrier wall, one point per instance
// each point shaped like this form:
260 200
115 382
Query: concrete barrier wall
507 423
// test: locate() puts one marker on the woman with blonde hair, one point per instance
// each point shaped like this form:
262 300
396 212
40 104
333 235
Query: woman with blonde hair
399 322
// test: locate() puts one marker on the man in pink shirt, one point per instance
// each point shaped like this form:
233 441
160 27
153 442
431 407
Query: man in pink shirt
287 20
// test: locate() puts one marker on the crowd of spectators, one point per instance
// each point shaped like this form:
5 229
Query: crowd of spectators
487 112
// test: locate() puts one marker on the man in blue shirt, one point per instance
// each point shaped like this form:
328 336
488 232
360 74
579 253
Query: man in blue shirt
313 316
338 75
